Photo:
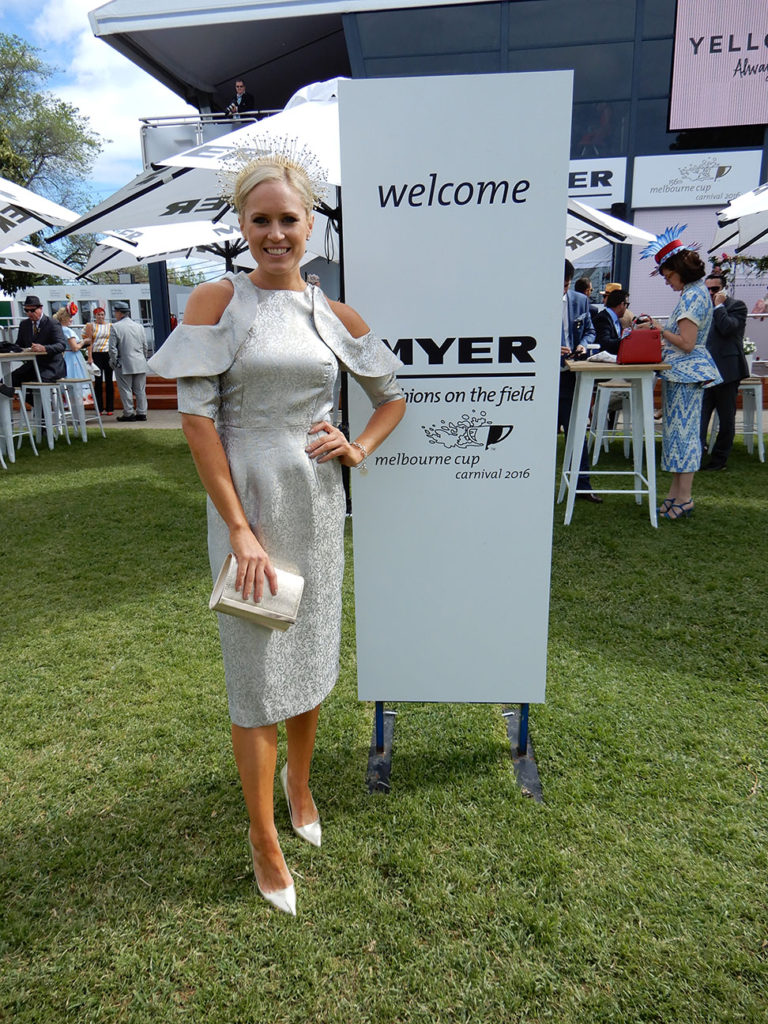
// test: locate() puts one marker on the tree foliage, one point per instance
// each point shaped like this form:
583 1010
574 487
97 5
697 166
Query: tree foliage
755 266
52 138
14 168
45 144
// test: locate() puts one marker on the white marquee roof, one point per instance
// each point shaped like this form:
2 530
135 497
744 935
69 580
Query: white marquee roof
198 47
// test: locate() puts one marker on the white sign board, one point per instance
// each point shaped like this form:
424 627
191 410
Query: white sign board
453 248
694 179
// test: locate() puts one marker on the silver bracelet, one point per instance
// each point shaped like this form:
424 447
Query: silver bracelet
361 465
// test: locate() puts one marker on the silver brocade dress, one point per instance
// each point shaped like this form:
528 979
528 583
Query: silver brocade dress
265 373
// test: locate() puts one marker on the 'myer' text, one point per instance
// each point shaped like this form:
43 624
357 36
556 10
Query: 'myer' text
505 349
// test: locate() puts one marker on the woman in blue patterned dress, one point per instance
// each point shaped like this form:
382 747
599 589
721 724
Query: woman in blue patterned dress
684 346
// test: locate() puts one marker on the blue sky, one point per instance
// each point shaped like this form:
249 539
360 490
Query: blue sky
103 84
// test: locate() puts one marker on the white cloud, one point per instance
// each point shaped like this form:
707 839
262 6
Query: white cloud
105 86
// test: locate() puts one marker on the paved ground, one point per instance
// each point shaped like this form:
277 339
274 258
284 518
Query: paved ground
160 419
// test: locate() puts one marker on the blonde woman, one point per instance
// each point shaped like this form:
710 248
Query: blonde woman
257 359
75 346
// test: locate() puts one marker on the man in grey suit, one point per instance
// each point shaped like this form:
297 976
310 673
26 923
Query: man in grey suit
128 357
725 344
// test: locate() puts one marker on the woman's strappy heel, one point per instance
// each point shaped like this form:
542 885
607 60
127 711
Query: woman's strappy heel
681 510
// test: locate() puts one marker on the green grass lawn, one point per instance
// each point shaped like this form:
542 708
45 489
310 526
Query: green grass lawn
637 892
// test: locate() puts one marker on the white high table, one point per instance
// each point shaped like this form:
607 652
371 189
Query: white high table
640 380
6 411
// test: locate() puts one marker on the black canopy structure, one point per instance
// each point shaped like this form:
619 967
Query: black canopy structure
199 47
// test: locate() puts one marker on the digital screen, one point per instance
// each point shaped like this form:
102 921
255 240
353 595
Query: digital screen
720 64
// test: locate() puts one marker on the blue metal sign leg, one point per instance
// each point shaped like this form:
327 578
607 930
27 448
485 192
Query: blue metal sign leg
521 749
380 753
522 736
379 726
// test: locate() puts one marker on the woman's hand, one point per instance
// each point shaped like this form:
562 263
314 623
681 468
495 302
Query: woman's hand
333 445
253 564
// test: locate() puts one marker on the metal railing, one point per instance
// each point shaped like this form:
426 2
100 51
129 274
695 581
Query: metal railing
162 137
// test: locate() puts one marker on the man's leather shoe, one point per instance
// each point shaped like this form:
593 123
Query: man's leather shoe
138 416
7 390
715 465
125 419
590 496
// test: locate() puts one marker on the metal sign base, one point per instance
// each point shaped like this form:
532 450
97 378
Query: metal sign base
523 759
380 753
521 748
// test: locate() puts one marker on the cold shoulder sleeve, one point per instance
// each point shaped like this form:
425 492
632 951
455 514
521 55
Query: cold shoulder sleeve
203 350
367 359
198 354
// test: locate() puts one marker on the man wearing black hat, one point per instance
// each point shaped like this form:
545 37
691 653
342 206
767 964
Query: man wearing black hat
128 356
43 336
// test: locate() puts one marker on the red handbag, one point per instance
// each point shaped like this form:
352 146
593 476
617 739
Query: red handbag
642 345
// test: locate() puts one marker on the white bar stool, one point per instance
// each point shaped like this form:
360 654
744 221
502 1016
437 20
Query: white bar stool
13 427
49 409
599 432
75 406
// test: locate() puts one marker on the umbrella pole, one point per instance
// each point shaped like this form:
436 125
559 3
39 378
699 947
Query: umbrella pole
335 217
161 304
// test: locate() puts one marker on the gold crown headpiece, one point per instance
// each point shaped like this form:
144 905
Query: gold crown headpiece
285 152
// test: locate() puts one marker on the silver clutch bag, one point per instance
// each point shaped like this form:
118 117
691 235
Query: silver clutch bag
276 611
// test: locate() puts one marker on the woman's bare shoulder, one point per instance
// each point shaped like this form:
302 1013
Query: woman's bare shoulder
351 319
207 302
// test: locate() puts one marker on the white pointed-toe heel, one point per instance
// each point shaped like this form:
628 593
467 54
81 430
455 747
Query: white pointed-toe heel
311 832
283 899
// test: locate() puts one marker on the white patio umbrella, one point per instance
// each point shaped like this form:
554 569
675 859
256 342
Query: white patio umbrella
23 211
744 221
132 246
589 229
311 116
167 195
185 188
189 192
26 259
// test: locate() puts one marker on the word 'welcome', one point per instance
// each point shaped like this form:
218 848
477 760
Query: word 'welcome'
451 194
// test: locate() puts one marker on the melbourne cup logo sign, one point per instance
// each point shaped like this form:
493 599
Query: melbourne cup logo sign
694 179
483 422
